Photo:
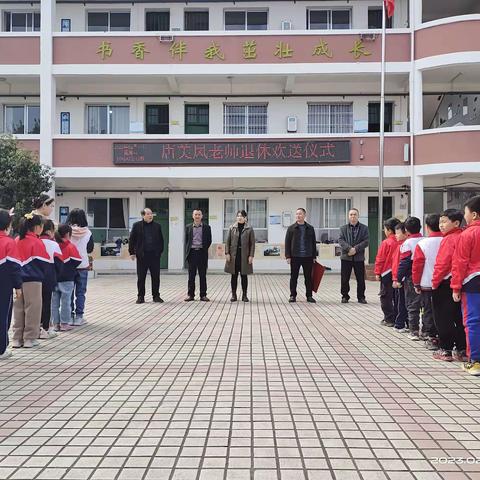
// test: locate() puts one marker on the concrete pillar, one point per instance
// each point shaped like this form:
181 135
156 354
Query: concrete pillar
418 197
177 228
416 92
416 13
47 83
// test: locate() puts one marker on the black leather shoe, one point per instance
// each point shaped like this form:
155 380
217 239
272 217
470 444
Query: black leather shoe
245 298
362 300
140 300
234 297
158 299
344 300
204 299
311 300
189 299
292 299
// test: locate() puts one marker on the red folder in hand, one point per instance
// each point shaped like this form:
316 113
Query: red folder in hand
317 275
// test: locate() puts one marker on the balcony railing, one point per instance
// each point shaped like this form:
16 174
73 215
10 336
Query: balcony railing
447 145
228 48
19 49
449 35
118 152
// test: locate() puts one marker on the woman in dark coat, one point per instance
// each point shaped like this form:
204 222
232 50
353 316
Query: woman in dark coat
239 252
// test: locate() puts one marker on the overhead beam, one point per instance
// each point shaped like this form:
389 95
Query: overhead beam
289 84
173 84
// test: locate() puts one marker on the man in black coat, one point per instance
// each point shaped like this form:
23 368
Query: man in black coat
198 238
300 251
353 242
146 245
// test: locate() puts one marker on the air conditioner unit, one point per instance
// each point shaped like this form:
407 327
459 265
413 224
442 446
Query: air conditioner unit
166 38
291 124
368 37
286 25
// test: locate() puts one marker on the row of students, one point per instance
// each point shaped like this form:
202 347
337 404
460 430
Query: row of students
427 277
41 266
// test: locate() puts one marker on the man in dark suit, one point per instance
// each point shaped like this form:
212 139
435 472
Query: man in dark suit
146 246
353 242
300 251
198 238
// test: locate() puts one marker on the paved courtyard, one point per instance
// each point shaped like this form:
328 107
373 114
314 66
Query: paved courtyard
218 391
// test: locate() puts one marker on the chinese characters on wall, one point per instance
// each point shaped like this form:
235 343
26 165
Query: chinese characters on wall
179 50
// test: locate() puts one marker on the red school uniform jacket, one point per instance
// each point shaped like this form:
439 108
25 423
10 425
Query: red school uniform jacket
71 260
396 260
443 264
34 258
424 260
10 263
383 261
406 256
466 260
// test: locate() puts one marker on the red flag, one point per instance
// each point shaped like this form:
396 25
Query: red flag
390 4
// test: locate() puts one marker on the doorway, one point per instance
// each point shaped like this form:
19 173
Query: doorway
159 207
373 223
192 204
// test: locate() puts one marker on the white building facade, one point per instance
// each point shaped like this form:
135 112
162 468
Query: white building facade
262 106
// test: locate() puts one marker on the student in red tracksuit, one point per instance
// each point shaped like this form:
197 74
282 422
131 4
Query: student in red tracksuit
465 282
10 279
49 282
447 313
383 271
27 309
401 319
422 271
62 294
412 298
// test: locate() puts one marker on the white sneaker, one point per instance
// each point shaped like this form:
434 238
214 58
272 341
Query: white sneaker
52 333
16 344
6 354
43 334
30 343
79 321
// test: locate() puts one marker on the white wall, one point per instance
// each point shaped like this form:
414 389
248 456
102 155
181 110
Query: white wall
278 11
278 110
276 204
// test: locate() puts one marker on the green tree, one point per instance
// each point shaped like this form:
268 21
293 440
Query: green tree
22 178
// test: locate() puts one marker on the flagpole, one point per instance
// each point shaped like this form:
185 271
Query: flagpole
382 131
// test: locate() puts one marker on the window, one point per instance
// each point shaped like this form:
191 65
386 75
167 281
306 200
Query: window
257 216
105 119
196 118
196 20
108 218
374 117
22 21
22 119
156 119
328 19
327 215
330 118
246 20
375 18
108 21
157 21
244 119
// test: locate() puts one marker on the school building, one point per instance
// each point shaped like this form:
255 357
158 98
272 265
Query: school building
266 106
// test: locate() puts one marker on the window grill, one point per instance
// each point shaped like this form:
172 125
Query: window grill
244 119
330 118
